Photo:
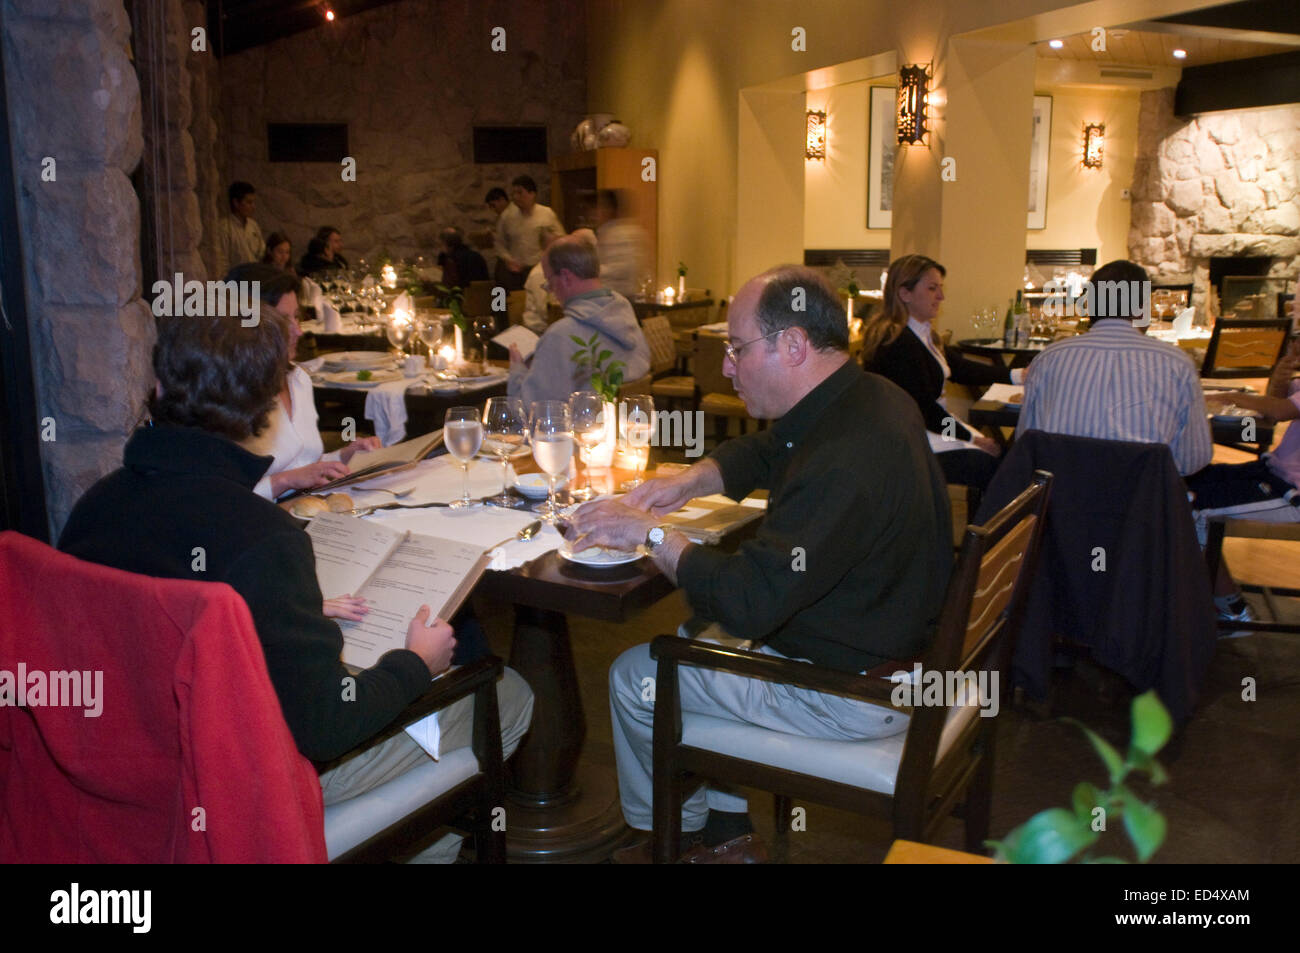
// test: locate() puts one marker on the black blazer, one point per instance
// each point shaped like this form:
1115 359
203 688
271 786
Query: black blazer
909 364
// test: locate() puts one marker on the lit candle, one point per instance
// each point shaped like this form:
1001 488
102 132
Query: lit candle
669 294
447 356
460 345
390 276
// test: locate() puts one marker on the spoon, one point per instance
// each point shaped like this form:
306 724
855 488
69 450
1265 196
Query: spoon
529 531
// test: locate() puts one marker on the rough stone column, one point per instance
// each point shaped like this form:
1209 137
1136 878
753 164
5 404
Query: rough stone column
205 94
73 98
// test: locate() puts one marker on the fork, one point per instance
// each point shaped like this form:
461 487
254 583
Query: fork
397 494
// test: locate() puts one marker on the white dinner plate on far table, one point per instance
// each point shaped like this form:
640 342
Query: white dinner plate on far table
598 556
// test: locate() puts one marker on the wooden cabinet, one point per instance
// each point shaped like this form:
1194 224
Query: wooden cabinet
575 179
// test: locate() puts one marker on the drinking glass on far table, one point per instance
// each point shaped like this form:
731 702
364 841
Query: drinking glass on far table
506 424
637 432
587 411
484 329
399 332
430 333
552 448
463 434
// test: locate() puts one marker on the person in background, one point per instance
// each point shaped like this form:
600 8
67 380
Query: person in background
1115 383
324 253
621 243
902 345
291 436
1267 489
521 232
279 251
460 264
238 238
537 300
497 200
572 270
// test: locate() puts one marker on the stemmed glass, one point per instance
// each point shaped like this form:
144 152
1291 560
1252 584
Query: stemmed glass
484 327
552 448
399 332
637 431
587 411
463 434
506 423
430 333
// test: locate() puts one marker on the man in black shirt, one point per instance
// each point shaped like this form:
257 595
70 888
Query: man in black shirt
183 507
849 567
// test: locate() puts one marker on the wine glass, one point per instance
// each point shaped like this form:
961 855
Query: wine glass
399 332
552 448
587 412
506 424
430 333
463 434
637 431
484 328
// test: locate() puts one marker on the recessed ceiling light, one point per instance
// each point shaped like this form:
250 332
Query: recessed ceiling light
1056 44
1180 54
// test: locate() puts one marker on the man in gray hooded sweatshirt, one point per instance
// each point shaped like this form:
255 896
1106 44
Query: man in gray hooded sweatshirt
572 270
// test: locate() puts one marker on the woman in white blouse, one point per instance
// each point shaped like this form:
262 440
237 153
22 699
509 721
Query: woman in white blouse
292 437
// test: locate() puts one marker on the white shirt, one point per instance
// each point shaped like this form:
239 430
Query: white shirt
519 237
236 243
292 438
536 299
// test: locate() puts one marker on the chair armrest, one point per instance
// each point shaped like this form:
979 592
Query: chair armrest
452 687
877 691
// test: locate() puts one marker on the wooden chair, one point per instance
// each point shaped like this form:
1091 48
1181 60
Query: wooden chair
1252 529
639 386
717 393
667 386
516 302
478 299
466 783
914 780
1245 348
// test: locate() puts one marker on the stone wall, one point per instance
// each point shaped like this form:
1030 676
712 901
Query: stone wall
73 98
1223 184
410 79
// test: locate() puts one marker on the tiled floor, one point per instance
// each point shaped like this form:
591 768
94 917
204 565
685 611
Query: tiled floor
1234 773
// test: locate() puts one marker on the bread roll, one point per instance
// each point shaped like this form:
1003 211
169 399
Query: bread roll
339 502
306 507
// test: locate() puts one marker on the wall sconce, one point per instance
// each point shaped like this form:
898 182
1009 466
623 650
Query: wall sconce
816 147
913 84
1094 143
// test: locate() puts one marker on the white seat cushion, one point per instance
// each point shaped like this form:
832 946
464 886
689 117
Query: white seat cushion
351 822
872 765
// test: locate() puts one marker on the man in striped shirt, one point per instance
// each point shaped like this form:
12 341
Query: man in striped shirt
1115 383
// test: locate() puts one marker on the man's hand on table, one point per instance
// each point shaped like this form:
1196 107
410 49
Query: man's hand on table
668 494
609 523
359 445
433 643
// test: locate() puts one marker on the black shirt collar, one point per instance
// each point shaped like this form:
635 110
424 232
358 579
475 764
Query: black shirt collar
193 452
800 418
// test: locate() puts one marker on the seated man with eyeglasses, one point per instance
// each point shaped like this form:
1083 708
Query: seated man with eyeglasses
847 570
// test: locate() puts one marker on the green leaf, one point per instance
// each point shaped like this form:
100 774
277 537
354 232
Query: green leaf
1144 762
1152 725
1111 757
577 340
1104 860
604 356
1086 797
1049 837
1146 827
595 338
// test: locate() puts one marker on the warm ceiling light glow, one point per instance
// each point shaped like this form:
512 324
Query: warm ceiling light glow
1056 44
816 145
329 15
1094 143
913 84
1180 54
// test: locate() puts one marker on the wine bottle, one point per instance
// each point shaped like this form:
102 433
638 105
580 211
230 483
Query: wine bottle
1009 326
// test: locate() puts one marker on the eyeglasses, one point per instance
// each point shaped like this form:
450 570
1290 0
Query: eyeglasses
733 350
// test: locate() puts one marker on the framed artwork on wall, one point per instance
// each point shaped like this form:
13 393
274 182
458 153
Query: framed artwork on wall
1038 150
882 147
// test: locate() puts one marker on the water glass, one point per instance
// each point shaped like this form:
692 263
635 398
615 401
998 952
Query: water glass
587 412
463 434
552 448
506 424
638 429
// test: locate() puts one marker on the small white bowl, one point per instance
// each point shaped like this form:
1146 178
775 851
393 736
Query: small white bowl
535 485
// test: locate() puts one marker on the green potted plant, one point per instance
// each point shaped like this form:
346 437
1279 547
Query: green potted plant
1058 835
606 378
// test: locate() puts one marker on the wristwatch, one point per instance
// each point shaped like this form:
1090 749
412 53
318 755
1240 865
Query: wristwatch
655 537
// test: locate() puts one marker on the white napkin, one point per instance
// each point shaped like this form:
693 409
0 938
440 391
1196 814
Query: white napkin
1183 323
331 319
403 302
311 295
312 366
386 409
427 733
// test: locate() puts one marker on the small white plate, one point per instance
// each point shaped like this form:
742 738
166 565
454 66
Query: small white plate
357 360
598 556
535 485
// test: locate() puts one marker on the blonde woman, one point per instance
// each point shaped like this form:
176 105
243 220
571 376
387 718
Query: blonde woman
902 345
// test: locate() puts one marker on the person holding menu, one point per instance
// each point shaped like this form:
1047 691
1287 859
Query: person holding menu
183 507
